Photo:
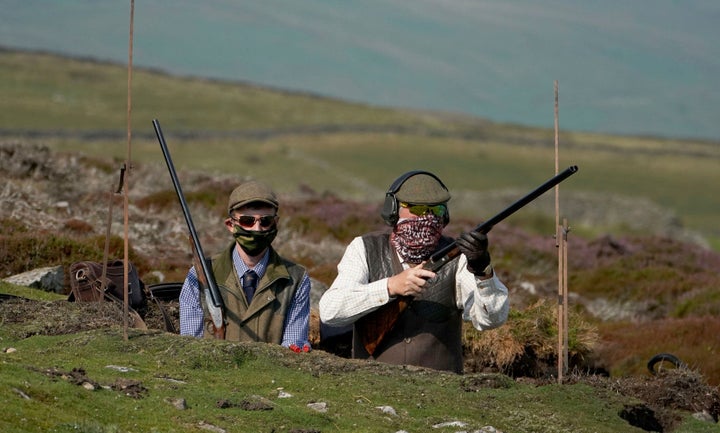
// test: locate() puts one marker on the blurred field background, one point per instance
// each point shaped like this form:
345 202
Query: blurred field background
355 150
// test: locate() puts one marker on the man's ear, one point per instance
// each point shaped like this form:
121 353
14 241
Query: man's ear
229 225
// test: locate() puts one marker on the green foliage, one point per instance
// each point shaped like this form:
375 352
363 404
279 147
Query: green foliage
213 197
161 200
698 303
627 347
659 271
329 217
101 163
12 227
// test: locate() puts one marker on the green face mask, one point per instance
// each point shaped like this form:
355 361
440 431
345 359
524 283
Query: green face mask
254 242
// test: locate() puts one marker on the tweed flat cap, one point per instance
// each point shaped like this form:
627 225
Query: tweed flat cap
422 189
252 191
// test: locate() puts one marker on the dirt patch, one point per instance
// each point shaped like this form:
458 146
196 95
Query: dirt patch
662 396
58 317
245 405
78 376
131 388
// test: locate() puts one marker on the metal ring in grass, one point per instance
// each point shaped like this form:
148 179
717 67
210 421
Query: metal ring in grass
664 357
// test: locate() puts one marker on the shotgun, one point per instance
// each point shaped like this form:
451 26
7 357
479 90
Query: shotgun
373 327
445 255
213 299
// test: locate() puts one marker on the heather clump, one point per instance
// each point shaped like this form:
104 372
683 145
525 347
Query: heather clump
325 216
28 251
653 271
205 193
626 347
527 345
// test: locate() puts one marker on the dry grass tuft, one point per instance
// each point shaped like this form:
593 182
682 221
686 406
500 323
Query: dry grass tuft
527 344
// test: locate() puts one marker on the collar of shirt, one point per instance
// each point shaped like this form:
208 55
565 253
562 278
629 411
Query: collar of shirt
404 264
259 269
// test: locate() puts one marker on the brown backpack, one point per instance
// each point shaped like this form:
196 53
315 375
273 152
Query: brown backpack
88 285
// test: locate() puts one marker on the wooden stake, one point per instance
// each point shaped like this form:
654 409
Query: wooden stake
559 246
561 311
126 260
108 225
566 230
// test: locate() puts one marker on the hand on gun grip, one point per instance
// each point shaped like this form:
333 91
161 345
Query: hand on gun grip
474 245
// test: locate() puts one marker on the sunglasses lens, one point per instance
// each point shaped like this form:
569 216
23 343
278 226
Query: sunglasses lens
246 220
418 210
423 209
266 221
438 210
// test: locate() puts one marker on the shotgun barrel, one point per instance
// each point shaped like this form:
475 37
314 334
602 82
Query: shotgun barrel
205 277
451 251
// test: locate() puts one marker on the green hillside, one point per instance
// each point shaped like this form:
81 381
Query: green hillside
353 150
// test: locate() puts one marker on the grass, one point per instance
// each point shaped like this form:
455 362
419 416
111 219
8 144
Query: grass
87 95
23 292
37 394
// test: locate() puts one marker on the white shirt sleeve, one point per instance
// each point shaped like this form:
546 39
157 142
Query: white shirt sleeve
484 302
351 295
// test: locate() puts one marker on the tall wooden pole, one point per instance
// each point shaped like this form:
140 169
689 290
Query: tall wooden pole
565 231
559 246
126 266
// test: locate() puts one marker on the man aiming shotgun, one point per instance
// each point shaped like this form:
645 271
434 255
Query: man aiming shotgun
407 292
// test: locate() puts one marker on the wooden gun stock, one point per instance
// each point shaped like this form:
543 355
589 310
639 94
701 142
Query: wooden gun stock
377 324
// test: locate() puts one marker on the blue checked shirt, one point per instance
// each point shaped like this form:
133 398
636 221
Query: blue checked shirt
297 321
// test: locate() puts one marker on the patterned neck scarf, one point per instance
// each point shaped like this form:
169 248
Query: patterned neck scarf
415 239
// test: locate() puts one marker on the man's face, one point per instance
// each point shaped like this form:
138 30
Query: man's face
253 217
418 230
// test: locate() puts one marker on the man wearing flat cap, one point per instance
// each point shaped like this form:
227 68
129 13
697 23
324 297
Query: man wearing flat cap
400 312
266 297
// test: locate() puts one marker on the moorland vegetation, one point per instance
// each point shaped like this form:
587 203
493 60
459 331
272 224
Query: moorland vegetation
643 257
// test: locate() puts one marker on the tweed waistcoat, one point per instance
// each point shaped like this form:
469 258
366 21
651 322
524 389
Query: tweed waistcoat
264 319
428 332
